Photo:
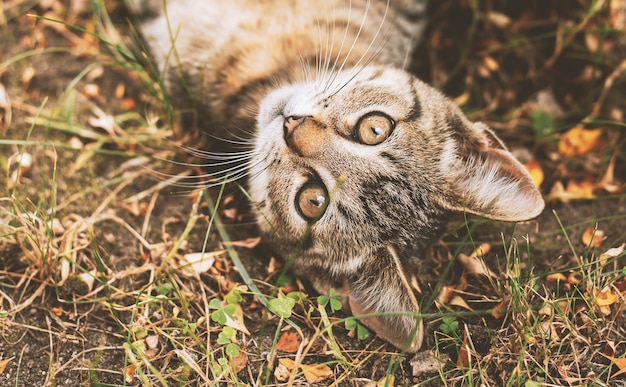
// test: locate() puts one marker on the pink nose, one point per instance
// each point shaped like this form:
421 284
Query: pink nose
305 136
291 123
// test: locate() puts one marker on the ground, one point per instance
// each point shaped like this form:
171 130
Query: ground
99 234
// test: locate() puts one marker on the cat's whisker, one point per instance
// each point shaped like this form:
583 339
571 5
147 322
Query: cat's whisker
354 42
367 53
333 71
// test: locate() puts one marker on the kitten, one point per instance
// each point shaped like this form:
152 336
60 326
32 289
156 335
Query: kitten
354 164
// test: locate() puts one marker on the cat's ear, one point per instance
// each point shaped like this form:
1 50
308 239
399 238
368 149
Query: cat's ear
486 179
382 291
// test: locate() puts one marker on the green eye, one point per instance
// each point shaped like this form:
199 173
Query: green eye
373 128
312 200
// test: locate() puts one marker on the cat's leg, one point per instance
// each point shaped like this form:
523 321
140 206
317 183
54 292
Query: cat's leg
382 288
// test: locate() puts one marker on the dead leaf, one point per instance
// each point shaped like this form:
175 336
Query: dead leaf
129 372
575 190
445 294
288 342
92 90
282 372
316 373
5 110
491 63
313 373
475 265
152 341
608 182
609 348
593 237
534 168
465 354
611 253
606 297
3 364
196 263
249 243
501 309
619 362
556 277
459 301
617 15
579 141
287 363
500 20
240 361
28 75
237 321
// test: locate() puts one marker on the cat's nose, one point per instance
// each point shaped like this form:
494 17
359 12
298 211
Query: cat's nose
290 124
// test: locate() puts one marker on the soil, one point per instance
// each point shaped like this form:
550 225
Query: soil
58 338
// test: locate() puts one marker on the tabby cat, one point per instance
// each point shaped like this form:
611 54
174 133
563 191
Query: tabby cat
353 165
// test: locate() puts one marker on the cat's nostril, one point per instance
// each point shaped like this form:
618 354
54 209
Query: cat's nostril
291 123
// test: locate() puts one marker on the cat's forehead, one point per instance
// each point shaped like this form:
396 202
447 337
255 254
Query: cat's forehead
352 93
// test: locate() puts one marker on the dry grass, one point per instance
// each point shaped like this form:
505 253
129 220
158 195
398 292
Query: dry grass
114 270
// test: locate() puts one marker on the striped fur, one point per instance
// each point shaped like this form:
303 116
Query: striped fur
293 81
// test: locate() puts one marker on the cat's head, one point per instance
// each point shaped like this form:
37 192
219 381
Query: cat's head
372 159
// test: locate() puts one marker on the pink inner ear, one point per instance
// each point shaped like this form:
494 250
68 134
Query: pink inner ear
487 180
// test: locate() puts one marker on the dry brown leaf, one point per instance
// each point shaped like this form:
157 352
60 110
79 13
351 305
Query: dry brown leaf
534 168
556 277
611 253
152 341
129 372
491 63
3 365
574 190
237 321
240 361
609 348
459 301
617 15
287 363
196 263
288 342
316 373
5 110
465 354
313 373
619 362
282 372
28 75
579 141
500 20
445 294
608 182
475 265
500 310
593 237
606 297
249 243
620 286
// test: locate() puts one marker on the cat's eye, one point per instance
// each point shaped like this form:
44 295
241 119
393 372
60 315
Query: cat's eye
373 128
312 200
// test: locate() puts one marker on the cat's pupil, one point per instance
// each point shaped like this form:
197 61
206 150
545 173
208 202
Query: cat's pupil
377 131
311 200
373 128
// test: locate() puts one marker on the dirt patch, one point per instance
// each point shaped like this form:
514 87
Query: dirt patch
79 111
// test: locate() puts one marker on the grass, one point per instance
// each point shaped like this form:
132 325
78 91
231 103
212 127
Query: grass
112 274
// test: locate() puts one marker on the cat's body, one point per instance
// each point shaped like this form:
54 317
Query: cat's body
355 164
